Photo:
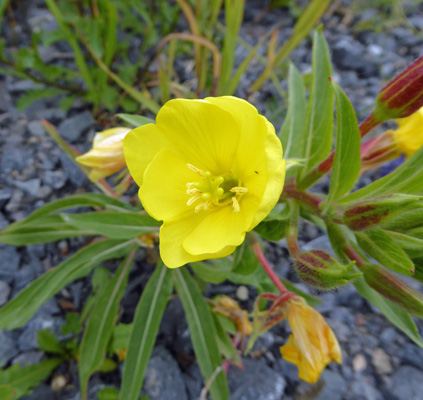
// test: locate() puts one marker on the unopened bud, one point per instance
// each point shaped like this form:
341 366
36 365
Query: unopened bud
403 95
377 211
319 269
410 219
394 289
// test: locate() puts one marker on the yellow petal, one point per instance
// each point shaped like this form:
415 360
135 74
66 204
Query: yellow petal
200 132
140 147
110 137
163 192
172 235
221 227
275 170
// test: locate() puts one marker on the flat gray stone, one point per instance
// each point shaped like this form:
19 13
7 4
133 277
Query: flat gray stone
74 127
163 378
407 383
255 382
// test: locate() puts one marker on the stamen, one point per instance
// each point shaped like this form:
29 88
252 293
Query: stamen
193 199
191 192
235 204
195 169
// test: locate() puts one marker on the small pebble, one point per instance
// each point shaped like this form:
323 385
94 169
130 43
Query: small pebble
242 293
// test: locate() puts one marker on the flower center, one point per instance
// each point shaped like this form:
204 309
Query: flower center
214 191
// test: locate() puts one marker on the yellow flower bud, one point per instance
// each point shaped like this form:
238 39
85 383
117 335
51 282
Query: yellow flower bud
409 134
312 345
106 157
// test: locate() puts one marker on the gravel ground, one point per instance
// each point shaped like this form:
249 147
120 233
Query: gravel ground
380 362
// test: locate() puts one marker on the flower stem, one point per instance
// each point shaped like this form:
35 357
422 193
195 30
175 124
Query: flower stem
269 271
325 166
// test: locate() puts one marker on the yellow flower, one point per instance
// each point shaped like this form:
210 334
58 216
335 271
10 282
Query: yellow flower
106 156
211 170
409 134
312 344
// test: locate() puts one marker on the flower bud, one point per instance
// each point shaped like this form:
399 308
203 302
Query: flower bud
319 269
394 289
106 157
377 211
403 95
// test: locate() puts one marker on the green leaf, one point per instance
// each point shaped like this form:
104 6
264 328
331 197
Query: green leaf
273 227
413 246
29 97
136 120
48 342
46 229
296 115
213 271
21 308
399 317
203 332
144 331
317 135
225 344
115 225
245 260
379 245
84 200
25 378
108 393
407 178
120 338
100 324
7 392
347 161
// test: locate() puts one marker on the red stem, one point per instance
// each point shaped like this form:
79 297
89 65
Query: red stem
269 271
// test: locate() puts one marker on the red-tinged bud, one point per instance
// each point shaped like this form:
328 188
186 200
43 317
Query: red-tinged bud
321 270
377 211
394 289
403 95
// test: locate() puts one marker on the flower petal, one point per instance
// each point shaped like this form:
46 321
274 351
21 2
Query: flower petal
163 192
140 147
220 228
201 133
172 235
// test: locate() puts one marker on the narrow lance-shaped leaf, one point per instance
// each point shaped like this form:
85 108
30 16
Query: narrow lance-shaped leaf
135 120
347 162
293 125
379 245
87 200
21 308
145 326
407 178
202 330
317 135
399 317
46 229
101 322
114 224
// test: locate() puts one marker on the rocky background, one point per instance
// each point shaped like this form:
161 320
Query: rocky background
380 362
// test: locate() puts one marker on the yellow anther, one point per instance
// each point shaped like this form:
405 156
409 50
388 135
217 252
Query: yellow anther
239 190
